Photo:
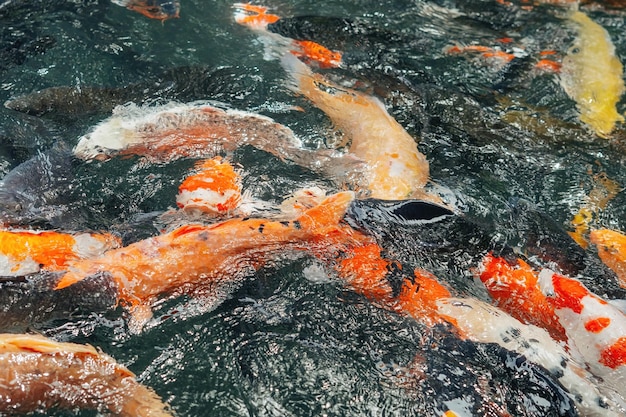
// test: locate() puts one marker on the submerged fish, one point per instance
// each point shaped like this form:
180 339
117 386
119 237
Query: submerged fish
592 75
37 373
394 168
611 247
202 260
25 252
154 9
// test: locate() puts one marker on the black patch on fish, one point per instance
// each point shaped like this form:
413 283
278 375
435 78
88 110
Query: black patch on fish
261 227
284 223
403 212
297 225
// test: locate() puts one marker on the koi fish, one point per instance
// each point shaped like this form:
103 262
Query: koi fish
611 247
215 189
424 298
604 190
592 75
25 252
206 259
154 9
395 169
37 373
593 329
162 134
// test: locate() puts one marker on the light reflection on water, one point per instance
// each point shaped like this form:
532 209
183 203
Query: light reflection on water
282 344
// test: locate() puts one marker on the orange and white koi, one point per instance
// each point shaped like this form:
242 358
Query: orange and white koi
611 246
154 9
593 329
25 252
203 259
195 130
214 189
592 75
37 373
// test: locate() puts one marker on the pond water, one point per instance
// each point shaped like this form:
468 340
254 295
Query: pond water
504 143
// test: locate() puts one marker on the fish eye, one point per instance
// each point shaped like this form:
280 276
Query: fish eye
575 50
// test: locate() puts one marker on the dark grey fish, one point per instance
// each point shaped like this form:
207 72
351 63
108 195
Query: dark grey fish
178 84
32 301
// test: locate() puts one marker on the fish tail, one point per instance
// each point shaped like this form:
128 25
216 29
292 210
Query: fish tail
144 402
328 213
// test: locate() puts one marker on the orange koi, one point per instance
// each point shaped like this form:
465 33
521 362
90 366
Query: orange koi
395 169
200 259
25 252
611 247
154 9
485 51
37 373
215 189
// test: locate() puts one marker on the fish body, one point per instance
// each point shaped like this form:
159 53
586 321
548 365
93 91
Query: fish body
25 252
154 9
593 329
37 373
592 75
165 133
612 250
214 189
395 169
201 259
425 299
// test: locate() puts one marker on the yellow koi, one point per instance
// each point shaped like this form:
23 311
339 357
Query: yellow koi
395 168
592 75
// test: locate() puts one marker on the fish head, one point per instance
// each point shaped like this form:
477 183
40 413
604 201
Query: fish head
105 141
156 9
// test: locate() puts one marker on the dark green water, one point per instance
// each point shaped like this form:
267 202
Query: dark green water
291 340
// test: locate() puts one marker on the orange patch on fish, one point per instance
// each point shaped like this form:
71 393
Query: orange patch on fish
23 251
614 355
254 16
548 65
568 293
597 325
366 270
418 298
310 51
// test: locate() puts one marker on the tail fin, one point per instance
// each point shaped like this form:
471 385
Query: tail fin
328 213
